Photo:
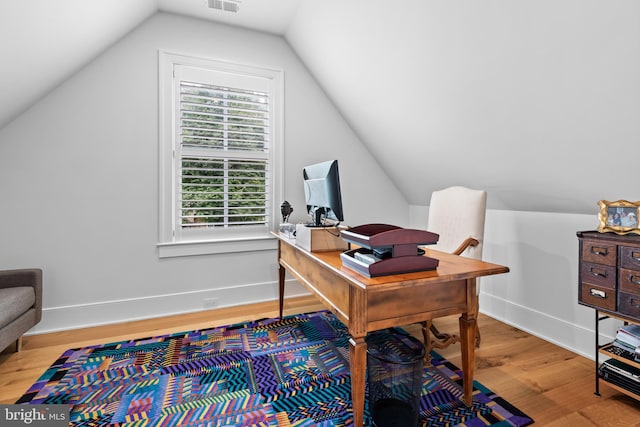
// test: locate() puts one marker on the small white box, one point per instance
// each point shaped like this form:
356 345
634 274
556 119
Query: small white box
320 239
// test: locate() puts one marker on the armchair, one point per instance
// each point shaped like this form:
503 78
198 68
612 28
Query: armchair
20 304
457 214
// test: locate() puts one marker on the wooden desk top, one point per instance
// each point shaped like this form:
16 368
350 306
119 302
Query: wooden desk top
451 267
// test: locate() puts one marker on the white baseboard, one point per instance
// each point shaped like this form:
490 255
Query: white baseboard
70 317
560 332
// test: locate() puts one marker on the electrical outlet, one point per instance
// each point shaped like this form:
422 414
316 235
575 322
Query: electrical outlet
210 302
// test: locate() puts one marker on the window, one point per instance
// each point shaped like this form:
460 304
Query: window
220 125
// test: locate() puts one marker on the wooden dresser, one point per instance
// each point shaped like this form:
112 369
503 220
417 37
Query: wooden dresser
609 282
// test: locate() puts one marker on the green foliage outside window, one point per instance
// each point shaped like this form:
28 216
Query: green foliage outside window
220 186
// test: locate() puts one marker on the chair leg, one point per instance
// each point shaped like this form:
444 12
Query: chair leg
444 340
439 340
427 341
19 344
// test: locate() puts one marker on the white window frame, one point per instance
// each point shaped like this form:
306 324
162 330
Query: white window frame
171 242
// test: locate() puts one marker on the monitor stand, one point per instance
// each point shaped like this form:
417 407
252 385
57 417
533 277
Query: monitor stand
317 218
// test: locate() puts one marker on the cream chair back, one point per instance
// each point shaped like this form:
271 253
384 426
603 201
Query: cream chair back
457 213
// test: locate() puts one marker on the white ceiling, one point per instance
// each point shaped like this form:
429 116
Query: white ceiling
43 42
537 102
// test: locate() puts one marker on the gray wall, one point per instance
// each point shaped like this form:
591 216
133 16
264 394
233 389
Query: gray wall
80 181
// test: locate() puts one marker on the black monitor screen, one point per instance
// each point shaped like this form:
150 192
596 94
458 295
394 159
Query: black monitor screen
322 192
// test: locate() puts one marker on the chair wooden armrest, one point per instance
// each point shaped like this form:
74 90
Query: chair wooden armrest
469 242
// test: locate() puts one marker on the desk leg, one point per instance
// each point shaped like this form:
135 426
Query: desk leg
468 327
358 362
467 347
281 274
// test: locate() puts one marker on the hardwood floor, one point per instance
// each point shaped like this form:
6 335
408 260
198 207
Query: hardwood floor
552 385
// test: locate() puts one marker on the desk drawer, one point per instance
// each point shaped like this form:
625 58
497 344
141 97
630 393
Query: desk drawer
598 274
597 296
630 257
629 304
599 252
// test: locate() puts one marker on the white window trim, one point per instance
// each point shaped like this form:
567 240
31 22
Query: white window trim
167 245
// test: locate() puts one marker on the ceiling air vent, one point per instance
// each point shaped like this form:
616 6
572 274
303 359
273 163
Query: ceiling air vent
226 5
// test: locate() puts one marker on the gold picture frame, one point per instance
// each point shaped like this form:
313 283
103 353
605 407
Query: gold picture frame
620 217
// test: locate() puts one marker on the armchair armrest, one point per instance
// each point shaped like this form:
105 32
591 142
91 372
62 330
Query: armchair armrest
469 242
25 277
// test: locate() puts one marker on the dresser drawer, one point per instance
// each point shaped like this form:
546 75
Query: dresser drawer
598 274
630 257
630 281
629 304
599 252
597 296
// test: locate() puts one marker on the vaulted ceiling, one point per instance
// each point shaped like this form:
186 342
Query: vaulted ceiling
537 102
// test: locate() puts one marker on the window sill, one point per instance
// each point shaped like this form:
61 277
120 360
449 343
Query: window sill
209 247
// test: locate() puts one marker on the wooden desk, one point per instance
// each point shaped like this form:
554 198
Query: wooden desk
369 304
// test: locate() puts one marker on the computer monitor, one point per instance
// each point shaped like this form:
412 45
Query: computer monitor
322 193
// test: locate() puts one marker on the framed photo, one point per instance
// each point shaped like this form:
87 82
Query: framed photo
620 217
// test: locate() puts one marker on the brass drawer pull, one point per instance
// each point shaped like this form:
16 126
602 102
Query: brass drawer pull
636 256
599 251
598 273
597 293
634 279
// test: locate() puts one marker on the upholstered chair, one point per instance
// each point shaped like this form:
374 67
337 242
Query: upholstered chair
20 304
457 215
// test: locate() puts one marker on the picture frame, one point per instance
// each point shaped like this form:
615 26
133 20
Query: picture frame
620 217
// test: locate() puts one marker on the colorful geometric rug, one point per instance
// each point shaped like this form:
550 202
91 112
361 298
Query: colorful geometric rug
284 373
